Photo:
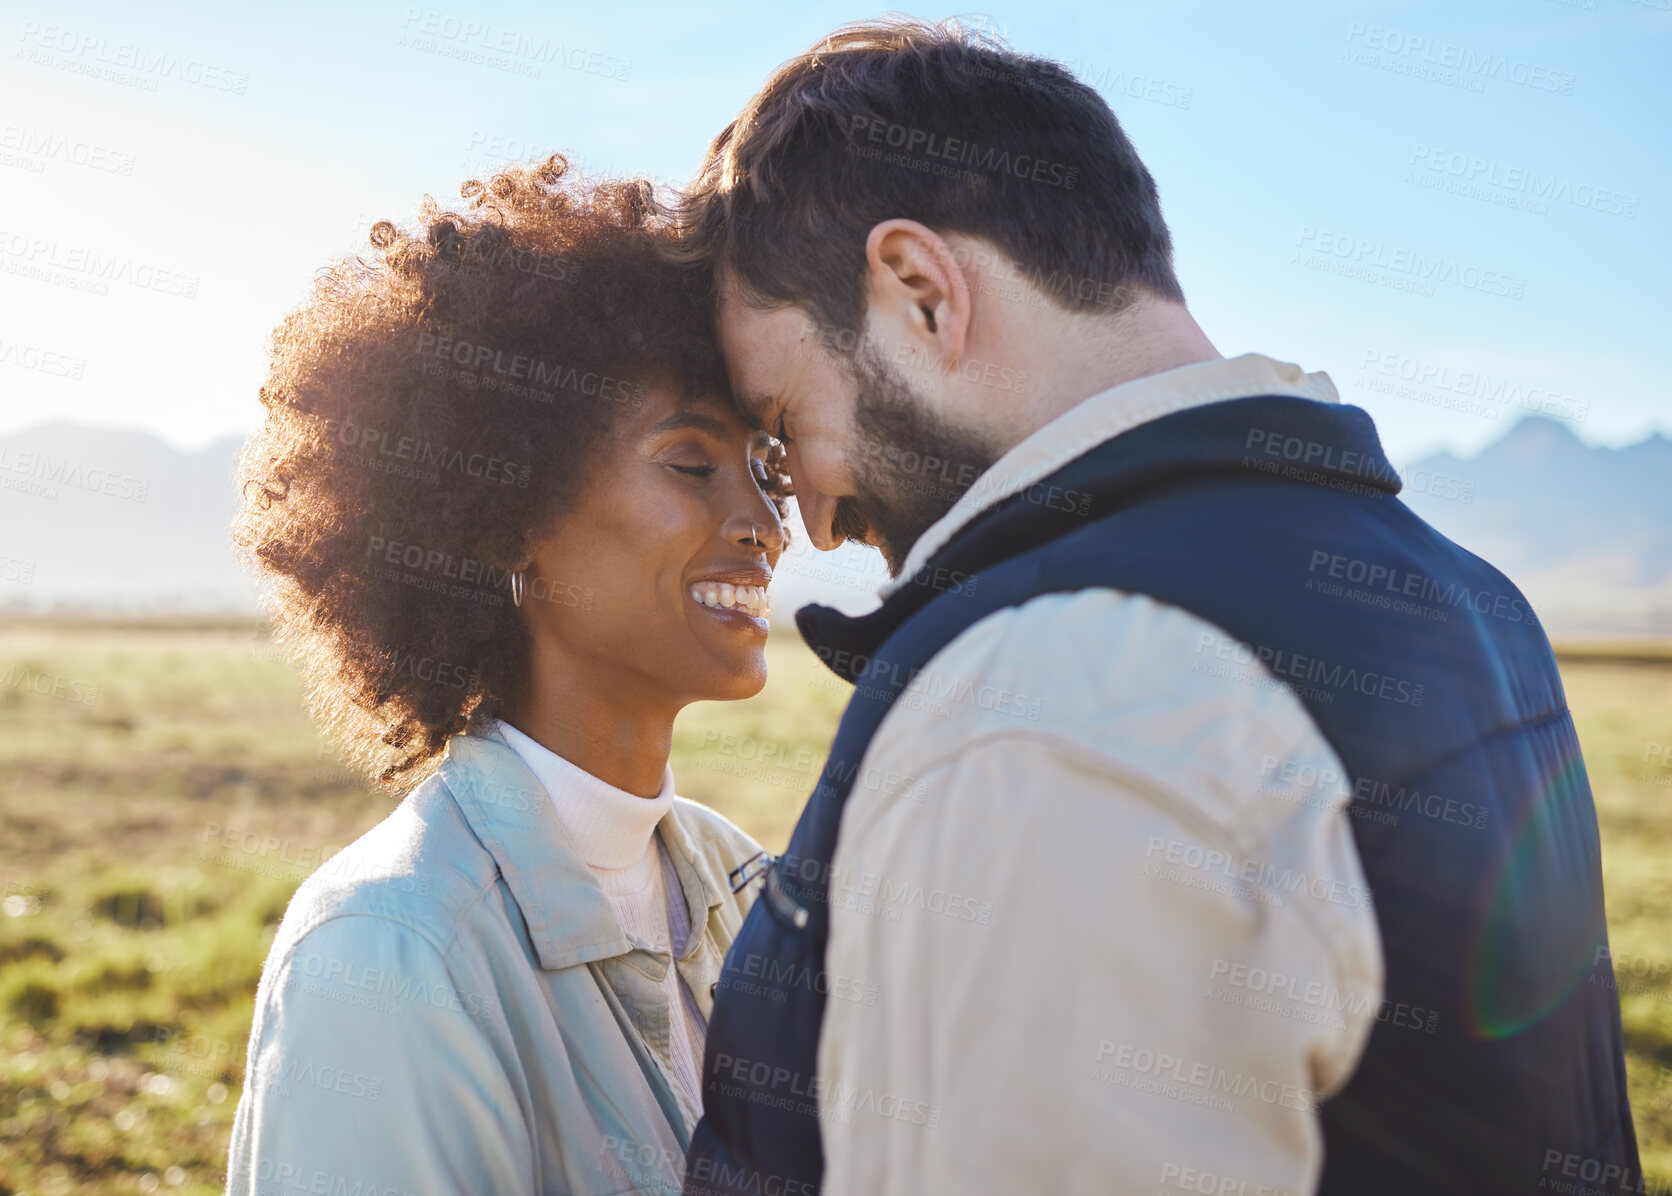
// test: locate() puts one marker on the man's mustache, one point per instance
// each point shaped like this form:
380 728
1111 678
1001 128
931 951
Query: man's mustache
848 521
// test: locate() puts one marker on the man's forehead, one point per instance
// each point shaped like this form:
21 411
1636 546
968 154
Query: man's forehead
762 346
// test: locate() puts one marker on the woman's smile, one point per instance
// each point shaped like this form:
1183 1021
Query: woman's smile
738 598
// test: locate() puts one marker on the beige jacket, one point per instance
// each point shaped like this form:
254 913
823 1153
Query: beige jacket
1116 925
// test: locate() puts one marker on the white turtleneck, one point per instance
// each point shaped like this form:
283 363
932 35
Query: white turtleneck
614 834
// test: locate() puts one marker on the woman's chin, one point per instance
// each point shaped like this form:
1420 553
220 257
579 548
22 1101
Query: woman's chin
743 678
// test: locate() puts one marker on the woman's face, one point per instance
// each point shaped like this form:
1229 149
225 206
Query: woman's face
654 579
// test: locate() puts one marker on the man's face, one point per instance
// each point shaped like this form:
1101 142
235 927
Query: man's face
869 458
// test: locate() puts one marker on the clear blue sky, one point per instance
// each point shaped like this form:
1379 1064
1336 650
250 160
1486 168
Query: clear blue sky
1291 142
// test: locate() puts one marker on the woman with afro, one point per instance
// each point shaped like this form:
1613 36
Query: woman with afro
511 523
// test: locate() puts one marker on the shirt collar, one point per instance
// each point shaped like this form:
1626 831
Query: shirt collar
1104 416
607 827
570 920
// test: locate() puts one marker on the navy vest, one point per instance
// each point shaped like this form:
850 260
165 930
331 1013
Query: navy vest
1497 1059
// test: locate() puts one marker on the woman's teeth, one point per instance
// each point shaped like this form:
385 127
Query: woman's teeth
722 596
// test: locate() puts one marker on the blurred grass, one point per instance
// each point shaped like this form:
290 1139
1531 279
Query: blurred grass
156 815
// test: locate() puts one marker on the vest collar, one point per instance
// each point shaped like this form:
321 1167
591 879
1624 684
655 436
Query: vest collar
1105 416
1285 437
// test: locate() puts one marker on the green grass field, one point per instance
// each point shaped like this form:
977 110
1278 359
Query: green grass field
163 792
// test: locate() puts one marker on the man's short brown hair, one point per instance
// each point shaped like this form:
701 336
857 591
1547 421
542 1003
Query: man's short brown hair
938 123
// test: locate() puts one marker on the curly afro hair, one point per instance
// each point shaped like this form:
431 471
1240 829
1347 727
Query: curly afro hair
429 408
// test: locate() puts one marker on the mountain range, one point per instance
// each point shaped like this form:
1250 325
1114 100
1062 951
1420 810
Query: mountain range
109 520
1584 531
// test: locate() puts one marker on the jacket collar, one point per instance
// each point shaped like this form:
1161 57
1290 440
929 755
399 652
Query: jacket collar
570 920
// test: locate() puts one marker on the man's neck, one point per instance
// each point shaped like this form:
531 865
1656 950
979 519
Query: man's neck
1070 357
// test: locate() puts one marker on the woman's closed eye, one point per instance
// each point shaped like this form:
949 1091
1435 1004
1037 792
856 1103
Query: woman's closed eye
695 471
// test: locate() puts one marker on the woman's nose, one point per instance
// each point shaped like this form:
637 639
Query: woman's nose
761 530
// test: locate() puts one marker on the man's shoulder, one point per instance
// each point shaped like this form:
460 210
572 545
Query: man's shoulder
1117 680
1058 659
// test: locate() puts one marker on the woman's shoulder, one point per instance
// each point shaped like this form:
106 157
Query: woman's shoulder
421 868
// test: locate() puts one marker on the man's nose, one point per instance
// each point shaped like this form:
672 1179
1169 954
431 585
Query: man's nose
818 511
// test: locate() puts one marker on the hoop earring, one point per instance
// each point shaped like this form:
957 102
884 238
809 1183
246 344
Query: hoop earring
517 588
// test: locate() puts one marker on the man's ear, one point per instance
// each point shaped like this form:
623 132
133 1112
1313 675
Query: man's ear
915 282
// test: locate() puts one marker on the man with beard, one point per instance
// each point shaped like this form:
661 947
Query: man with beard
1170 841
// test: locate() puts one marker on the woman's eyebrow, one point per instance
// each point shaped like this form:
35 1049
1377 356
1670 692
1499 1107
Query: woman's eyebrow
691 419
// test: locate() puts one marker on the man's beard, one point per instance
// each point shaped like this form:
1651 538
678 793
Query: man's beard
908 466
